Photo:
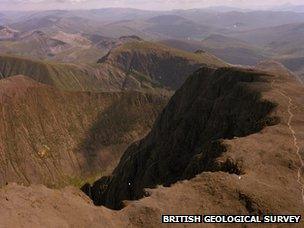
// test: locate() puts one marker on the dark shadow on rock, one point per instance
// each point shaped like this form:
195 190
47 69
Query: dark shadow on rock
127 119
213 105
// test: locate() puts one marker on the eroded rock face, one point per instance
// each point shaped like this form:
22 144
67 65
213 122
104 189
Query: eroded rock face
187 138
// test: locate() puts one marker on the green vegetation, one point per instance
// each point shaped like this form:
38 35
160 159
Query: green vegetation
144 79
68 77
161 49
80 181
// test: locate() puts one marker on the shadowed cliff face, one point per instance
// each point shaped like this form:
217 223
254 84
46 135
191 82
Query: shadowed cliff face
187 138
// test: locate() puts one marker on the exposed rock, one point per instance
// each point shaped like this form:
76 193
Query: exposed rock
213 105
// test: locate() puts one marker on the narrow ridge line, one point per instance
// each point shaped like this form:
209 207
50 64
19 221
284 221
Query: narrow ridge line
295 140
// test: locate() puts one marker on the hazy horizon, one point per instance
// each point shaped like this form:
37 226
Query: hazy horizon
20 5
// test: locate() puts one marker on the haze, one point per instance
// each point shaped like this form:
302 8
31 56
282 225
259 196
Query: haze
140 4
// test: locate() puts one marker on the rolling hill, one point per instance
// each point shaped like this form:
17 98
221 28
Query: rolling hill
229 49
174 26
275 36
236 20
233 50
54 22
284 43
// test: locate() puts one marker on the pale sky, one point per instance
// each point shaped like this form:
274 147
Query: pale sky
140 4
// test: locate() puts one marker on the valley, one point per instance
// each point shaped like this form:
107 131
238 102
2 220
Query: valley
52 137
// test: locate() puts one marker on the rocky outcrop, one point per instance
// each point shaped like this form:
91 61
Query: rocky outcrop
188 137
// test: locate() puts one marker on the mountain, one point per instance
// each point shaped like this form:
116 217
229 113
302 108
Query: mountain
229 49
278 68
62 76
122 14
233 51
295 64
2 18
55 138
137 65
73 77
157 28
236 20
158 63
289 7
174 26
238 115
60 46
77 40
215 133
7 33
105 43
52 23
35 44
273 35
90 94
284 43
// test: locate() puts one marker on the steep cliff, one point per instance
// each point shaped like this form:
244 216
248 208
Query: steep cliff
217 124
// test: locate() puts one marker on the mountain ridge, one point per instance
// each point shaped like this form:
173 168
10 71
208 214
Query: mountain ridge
229 150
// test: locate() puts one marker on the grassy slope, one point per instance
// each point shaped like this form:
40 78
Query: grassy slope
54 137
62 76
146 47
159 63
132 66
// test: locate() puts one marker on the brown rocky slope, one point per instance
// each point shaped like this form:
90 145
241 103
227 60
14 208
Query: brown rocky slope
53 137
233 127
154 62
259 171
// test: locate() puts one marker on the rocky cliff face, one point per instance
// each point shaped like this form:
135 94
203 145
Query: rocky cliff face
54 137
188 137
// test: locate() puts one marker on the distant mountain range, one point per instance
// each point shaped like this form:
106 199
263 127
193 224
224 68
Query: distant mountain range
289 7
